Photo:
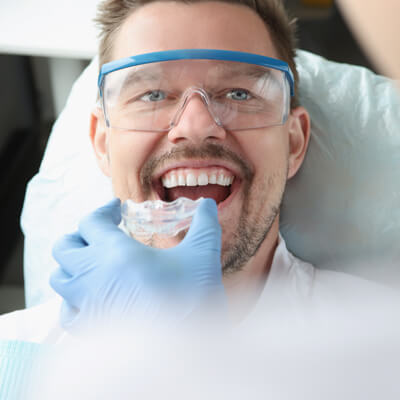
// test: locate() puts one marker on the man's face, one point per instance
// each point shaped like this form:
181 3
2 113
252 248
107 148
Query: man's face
257 162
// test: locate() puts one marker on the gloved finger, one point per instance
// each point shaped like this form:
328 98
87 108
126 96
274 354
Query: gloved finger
205 228
66 286
66 251
102 222
68 242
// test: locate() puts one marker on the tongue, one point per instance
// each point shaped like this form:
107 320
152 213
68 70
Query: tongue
216 192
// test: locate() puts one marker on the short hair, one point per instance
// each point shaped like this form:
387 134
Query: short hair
112 14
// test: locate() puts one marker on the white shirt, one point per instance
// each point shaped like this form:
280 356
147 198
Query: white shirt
294 289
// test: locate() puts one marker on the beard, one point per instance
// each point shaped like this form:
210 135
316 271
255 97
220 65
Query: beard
261 202
258 213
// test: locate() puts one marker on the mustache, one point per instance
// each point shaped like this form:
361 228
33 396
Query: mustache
206 151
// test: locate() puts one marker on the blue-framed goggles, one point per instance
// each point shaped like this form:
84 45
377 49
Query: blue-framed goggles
150 92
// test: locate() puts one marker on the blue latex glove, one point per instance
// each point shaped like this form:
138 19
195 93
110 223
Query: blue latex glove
104 274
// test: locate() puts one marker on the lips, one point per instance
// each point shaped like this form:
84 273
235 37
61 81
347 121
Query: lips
194 182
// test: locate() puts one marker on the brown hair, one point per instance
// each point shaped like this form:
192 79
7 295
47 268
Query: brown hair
112 14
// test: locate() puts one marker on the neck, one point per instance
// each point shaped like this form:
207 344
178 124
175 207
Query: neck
243 288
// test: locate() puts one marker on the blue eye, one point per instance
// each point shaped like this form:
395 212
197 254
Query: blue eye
239 94
154 95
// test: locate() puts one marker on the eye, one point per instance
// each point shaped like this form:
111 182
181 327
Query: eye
154 95
239 94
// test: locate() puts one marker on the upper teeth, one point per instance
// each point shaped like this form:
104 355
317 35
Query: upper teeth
197 177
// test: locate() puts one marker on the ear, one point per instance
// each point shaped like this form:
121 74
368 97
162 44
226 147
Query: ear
299 136
98 136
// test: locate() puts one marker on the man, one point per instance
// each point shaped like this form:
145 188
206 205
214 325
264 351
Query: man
216 122
258 161
208 131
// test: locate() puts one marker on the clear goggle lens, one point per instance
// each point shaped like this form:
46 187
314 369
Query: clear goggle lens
152 97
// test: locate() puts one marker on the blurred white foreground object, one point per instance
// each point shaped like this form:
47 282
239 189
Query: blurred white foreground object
351 356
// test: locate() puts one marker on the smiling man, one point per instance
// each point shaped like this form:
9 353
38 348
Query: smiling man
210 128
196 99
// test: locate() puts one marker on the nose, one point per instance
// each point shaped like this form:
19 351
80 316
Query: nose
194 121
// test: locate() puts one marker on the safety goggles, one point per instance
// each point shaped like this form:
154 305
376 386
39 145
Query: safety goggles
150 92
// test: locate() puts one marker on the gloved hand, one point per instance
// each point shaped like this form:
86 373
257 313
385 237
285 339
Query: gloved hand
105 275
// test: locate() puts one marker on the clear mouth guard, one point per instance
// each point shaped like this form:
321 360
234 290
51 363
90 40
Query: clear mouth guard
157 217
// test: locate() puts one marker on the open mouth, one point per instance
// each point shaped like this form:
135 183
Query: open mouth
217 183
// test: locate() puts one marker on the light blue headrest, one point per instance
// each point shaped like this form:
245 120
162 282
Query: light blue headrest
342 210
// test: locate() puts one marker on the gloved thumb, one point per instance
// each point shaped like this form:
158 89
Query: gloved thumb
205 227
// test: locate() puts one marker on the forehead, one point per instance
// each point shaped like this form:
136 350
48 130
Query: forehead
171 25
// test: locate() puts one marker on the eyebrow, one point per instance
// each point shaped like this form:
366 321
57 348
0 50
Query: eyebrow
240 69
131 77
134 77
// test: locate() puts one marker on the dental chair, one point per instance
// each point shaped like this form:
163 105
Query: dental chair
340 212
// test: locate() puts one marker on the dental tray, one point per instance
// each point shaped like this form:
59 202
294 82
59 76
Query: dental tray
157 217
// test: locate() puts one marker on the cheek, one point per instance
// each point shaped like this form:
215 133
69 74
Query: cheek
269 155
267 151
127 153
